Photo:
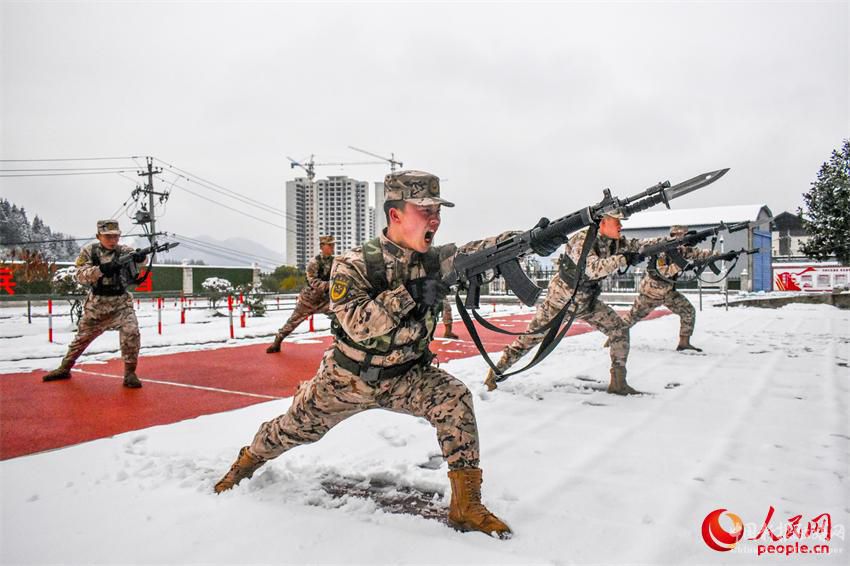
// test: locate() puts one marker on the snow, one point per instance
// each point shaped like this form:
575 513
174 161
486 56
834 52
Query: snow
25 346
707 216
759 419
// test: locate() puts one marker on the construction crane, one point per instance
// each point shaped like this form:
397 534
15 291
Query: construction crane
310 166
391 159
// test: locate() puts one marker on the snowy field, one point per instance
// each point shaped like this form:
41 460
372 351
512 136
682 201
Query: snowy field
759 420
24 346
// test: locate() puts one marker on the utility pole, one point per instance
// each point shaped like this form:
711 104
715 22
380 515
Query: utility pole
149 217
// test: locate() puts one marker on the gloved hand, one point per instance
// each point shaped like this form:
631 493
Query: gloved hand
139 256
109 269
541 245
427 291
633 258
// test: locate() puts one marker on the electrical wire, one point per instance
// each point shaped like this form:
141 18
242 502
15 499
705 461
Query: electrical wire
61 174
201 180
219 247
67 159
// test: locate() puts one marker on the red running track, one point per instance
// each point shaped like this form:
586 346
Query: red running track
37 416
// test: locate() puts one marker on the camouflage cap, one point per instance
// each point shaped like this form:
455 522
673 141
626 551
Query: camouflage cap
618 214
417 187
326 240
108 227
678 229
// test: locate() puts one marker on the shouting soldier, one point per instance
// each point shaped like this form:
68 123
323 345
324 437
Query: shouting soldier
386 298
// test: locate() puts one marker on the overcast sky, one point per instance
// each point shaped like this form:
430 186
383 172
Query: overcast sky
526 109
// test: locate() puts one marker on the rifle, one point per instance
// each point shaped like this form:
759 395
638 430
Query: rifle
710 262
129 271
503 258
670 246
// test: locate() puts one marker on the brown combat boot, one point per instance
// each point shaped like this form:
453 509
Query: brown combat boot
131 380
448 333
244 467
618 385
275 346
466 512
62 372
685 344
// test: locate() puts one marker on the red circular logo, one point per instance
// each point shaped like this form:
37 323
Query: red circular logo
716 537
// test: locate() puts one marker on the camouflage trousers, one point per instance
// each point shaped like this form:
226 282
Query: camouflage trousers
306 305
335 394
653 293
588 308
107 313
447 310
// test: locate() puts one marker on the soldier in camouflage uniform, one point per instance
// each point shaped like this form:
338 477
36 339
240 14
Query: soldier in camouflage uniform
654 291
314 297
108 305
610 252
386 298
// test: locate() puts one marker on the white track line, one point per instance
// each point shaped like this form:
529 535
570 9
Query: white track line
201 387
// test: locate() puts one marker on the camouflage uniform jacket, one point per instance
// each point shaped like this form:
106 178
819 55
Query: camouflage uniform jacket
604 258
670 270
87 272
318 275
655 286
387 322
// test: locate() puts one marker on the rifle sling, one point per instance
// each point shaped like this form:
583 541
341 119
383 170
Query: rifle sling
553 336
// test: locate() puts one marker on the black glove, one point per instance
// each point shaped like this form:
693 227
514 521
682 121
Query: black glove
109 269
139 256
633 258
541 245
427 292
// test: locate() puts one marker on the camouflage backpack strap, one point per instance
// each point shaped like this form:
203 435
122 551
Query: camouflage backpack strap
325 267
376 269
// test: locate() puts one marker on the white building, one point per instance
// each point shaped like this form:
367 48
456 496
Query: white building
337 206
657 223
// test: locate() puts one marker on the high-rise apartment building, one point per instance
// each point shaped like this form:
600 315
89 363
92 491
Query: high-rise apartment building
337 206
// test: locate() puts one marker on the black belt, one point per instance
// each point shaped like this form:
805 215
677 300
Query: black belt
372 374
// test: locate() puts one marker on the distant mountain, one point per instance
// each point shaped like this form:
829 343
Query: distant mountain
232 251
17 232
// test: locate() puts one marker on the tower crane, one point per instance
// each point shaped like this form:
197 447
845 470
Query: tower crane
391 159
310 166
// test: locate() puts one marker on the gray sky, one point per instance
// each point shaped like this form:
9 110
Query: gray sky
526 109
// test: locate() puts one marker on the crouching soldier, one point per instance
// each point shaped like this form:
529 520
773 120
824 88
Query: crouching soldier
314 297
386 298
108 305
658 287
609 253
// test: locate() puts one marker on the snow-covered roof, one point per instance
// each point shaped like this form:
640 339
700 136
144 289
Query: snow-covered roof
694 216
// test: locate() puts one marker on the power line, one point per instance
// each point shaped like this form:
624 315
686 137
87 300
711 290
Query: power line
62 174
231 208
66 159
64 169
211 184
225 255
61 240
224 248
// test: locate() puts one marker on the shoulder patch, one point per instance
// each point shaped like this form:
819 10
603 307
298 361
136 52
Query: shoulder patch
81 261
339 289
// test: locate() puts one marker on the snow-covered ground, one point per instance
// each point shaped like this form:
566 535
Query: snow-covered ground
24 345
759 420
